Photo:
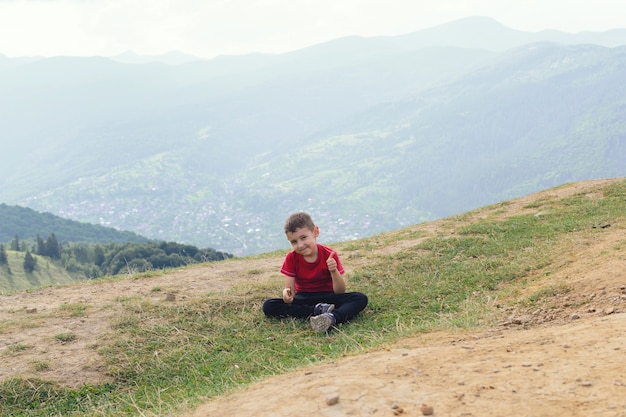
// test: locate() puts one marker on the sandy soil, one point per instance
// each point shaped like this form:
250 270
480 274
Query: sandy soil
566 357
577 369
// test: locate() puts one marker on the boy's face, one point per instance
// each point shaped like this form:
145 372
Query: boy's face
304 241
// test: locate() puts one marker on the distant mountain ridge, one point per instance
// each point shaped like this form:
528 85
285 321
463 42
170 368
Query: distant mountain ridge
487 33
368 134
27 223
169 58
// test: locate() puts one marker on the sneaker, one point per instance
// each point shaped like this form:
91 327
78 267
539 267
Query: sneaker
321 308
323 322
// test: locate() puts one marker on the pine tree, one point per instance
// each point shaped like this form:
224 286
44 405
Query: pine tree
52 248
15 244
41 246
3 255
29 262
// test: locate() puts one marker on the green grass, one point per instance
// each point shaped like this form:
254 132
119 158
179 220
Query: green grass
65 337
162 357
14 278
74 309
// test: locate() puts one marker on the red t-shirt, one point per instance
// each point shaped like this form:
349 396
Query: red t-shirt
311 276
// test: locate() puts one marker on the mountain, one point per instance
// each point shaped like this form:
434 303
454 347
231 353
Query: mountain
486 33
169 58
27 223
7 63
369 134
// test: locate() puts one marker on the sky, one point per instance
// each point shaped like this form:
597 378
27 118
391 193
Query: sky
208 28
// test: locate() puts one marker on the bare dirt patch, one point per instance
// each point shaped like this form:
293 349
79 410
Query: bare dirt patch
30 321
565 370
564 355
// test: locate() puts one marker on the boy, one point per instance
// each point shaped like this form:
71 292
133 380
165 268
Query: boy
314 284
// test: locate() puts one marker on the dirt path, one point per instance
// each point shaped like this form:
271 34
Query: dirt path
578 369
565 358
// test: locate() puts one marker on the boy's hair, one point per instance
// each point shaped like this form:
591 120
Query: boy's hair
298 220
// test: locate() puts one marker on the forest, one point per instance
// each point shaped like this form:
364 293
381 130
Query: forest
98 260
87 251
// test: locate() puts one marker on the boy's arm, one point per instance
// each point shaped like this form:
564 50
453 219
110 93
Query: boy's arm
339 284
289 290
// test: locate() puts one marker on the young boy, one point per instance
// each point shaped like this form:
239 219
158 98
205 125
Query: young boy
314 284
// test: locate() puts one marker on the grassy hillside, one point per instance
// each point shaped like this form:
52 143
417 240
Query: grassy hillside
158 358
13 277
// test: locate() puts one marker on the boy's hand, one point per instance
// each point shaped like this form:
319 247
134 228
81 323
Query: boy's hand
287 295
331 262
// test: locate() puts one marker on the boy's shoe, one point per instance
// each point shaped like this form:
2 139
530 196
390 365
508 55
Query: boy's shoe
321 308
323 322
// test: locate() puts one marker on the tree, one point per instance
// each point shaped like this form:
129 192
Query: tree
3 255
52 248
99 257
15 244
41 246
29 262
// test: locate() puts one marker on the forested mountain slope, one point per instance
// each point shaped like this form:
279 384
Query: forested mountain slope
370 134
27 223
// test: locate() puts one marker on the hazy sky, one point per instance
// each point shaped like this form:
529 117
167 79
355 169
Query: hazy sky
207 28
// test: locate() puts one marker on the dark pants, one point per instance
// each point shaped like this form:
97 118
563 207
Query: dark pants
347 305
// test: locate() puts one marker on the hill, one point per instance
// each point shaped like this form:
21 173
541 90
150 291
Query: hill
14 278
27 223
85 251
517 307
383 132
